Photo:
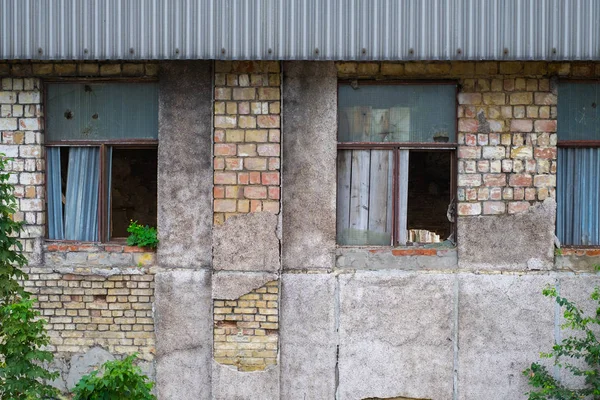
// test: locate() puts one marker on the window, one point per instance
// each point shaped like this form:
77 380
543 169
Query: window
396 163
101 158
578 169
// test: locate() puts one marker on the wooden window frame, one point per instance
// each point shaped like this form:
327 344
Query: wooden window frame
396 147
103 228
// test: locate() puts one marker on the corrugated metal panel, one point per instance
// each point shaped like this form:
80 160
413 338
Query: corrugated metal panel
578 191
300 29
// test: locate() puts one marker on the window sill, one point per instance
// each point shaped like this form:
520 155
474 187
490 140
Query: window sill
578 259
402 258
87 254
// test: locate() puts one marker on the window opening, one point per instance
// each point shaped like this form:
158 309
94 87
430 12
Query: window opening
395 163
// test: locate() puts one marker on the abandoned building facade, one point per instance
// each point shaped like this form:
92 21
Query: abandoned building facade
359 201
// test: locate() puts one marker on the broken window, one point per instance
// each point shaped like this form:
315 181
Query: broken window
578 170
101 159
396 145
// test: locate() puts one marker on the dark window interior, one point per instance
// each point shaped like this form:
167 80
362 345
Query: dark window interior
133 189
429 194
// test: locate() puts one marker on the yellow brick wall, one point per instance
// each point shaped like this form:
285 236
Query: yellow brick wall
246 329
247 138
84 310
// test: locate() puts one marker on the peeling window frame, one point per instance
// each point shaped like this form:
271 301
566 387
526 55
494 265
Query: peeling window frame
104 198
396 147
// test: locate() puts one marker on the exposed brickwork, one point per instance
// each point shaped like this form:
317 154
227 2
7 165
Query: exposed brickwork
83 69
22 139
247 138
506 126
84 306
85 310
246 329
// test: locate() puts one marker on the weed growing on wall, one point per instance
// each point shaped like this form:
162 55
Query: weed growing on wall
119 379
141 236
22 333
578 354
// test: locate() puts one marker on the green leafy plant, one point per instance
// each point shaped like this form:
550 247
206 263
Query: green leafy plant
142 236
119 379
582 347
22 333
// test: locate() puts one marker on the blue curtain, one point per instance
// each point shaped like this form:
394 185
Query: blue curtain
55 205
81 209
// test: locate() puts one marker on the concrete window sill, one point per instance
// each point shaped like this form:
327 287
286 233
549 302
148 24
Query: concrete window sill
67 254
577 259
402 258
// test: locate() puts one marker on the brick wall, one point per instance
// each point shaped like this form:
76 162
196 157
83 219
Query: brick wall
506 126
22 139
246 164
245 332
247 138
91 295
85 310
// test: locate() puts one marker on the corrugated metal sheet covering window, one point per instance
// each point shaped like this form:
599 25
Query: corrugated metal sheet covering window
578 199
102 111
578 173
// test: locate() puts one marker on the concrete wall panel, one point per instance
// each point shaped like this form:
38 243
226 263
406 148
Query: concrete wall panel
184 164
247 242
504 324
229 384
503 242
183 318
308 337
309 164
396 335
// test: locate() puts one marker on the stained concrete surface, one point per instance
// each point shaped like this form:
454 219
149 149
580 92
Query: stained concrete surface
396 335
307 336
228 285
504 324
361 258
185 173
309 164
83 364
230 384
183 323
577 289
508 242
247 242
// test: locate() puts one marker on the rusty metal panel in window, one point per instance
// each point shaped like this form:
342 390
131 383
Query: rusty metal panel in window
397 113
101 111
578 111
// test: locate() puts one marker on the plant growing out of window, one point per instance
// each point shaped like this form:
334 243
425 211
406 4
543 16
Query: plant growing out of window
578 354
141 236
